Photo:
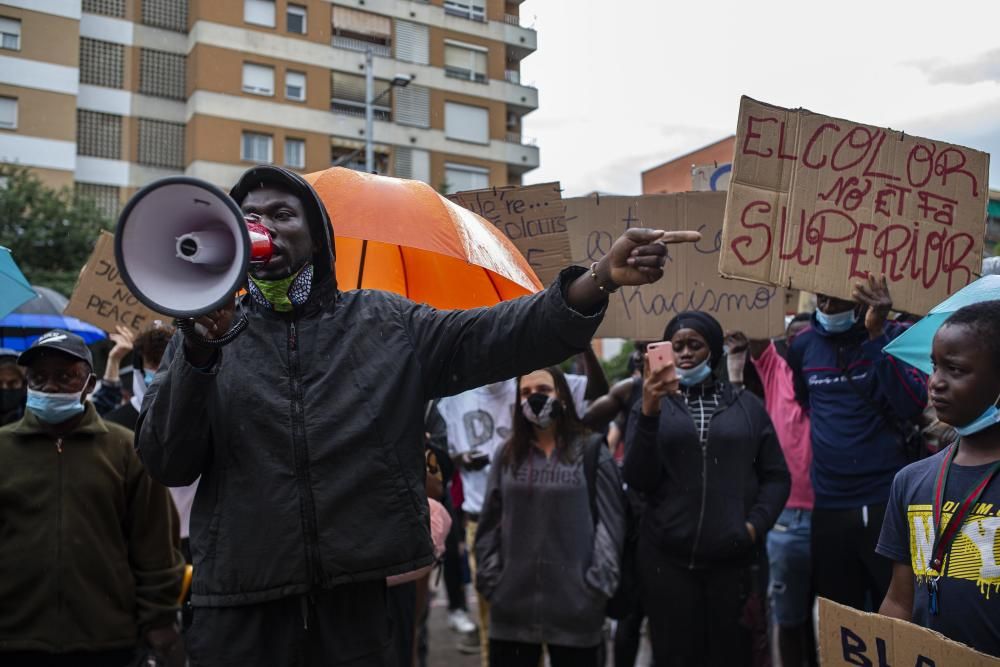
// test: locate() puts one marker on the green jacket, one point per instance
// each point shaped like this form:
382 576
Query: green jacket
88 541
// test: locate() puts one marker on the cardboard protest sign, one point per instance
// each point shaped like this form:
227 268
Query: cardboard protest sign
101 297
532 217
691 280
851 637
818 203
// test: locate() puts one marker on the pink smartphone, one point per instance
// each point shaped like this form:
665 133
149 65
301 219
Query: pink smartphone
660 355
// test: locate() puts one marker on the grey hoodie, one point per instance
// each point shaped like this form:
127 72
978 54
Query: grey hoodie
545 568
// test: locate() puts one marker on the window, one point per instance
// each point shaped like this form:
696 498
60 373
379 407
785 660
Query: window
162 74
412 163
161 144
167 14
466 123
413 106
463 61
474 10
10 33
106 198
259 12
105 7
295 19
8 113
459 177
359 31
295 153
295 86
412 42
256 147
349 96
98 134
258 79
101 63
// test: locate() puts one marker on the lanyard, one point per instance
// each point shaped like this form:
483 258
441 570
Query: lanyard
943 539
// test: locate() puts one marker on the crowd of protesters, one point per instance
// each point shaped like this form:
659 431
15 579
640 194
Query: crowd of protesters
317 477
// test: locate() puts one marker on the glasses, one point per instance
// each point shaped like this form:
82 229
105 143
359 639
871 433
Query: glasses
69 380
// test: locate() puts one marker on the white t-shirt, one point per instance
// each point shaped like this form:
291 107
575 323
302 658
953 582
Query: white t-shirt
480 420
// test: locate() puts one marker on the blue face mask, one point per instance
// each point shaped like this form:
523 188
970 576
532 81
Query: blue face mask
990 417
148 375
838 322
690 377
55 408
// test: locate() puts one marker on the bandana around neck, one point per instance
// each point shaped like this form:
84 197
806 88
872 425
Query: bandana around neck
285 293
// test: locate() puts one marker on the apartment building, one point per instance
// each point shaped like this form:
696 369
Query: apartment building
108 95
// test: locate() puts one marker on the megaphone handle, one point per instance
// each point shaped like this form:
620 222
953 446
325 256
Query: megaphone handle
187 327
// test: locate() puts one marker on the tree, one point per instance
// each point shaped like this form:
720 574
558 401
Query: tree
49 232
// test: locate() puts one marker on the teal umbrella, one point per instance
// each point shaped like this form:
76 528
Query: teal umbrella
914 346
14 287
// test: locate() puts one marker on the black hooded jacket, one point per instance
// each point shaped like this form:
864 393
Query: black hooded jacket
308 430
699 498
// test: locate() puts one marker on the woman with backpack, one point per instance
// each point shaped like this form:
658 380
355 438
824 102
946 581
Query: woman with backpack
551 532
707 459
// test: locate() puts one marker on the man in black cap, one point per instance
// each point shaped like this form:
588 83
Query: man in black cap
307 431
89 567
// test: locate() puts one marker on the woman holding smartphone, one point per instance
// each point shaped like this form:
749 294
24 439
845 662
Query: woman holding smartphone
551 532
706 456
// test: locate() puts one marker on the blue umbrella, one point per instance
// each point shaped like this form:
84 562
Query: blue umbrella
914 346
40 313
14 287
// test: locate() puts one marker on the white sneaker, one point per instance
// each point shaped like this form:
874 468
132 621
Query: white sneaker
459 621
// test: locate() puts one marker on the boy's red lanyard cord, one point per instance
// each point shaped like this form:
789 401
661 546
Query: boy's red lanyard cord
943 539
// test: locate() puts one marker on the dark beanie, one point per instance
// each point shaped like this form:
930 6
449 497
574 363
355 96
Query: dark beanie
704 324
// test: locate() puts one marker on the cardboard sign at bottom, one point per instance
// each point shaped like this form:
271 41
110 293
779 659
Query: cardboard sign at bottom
691 278
851 637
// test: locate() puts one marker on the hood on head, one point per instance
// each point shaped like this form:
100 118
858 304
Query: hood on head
316 215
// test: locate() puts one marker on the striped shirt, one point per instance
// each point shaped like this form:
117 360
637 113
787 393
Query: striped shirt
702 402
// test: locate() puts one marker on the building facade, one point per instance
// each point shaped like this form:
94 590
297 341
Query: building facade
108 95
676 176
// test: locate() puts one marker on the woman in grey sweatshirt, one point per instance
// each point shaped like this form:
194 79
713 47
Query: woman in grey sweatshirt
547 562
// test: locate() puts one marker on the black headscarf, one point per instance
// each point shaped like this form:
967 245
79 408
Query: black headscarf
704 324
316 215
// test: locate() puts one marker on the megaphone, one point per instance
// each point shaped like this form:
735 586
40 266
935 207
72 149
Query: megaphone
184 247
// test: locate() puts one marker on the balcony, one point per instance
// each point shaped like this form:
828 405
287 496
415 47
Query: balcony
516 138
512 76
464 74
465 10
353 44
510 19
357 109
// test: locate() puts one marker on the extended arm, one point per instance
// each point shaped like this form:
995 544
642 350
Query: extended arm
597 381
173 435
603 410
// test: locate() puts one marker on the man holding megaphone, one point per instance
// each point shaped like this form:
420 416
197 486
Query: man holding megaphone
306 430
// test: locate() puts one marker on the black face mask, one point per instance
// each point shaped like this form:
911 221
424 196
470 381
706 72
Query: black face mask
12 399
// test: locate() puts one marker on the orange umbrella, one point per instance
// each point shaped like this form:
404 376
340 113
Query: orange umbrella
402 236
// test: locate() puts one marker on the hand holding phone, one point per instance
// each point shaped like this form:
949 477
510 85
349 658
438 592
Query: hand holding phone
661 355
661 376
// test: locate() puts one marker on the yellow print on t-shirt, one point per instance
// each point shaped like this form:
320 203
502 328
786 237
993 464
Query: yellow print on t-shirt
975 553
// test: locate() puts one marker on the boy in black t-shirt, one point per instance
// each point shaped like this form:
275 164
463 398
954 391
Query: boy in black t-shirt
942 525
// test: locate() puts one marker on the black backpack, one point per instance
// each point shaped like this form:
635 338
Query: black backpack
626 597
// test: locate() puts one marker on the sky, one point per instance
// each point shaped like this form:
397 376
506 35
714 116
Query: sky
625 85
